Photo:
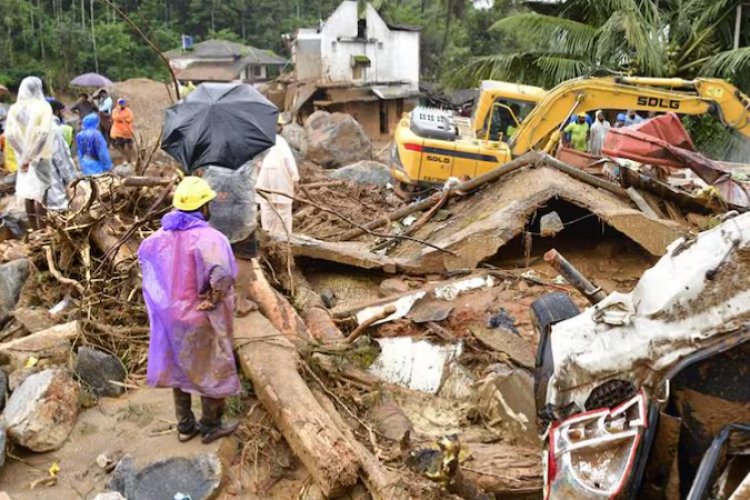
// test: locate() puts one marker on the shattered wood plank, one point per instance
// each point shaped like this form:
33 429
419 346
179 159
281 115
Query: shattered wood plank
641 203
270 360
654 203
351 254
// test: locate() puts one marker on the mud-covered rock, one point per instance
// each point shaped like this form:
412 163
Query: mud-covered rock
97 370
335 139
198 477
13 276
42 412
363 172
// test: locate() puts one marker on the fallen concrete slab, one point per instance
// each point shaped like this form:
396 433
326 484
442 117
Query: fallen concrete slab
481 224
352 254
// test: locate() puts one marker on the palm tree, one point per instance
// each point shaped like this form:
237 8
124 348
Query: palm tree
682 38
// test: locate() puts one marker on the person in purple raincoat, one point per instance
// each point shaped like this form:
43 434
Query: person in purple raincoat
188 284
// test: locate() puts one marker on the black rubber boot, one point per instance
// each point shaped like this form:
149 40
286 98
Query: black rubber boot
212 428
187 427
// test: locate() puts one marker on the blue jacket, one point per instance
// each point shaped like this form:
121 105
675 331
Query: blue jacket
93 152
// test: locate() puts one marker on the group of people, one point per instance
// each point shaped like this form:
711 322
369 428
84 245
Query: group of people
584 135
37 144
196 269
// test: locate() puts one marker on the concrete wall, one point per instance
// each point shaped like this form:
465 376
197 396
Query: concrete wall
393 55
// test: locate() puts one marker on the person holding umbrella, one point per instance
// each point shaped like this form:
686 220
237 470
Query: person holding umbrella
219 132
188 276
104 105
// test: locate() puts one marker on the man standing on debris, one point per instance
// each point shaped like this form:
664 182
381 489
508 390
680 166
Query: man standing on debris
67 130
93 153
104 104
188 277
30 133
278 173
598 133
579 132
122 129
83 106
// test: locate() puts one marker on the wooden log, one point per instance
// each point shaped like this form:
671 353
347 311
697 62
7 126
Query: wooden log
271 364
276 308
469 185
380 482
579 174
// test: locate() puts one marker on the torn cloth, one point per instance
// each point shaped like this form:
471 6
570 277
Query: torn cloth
190 350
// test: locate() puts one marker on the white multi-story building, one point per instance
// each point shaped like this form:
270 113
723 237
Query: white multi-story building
356 63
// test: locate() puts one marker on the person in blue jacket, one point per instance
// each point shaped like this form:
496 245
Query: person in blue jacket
93 153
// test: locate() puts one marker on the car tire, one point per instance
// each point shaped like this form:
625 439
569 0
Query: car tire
545 312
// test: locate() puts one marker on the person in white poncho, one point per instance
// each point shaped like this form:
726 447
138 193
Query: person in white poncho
39 149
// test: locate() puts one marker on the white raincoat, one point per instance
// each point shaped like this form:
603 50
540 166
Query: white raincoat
29 131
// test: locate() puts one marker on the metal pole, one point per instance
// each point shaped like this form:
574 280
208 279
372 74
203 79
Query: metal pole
737 22
593 293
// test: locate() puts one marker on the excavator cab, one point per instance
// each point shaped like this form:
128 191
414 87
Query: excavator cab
502 122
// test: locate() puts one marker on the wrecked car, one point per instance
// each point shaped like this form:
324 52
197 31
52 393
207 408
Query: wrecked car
644 394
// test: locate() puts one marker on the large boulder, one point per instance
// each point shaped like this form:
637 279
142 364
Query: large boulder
335 139
13 276
42 412
363 172
198 477
97 369
294 135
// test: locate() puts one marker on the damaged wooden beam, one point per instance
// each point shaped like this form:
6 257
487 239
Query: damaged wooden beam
271 360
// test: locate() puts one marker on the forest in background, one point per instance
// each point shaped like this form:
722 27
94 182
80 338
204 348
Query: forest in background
58 39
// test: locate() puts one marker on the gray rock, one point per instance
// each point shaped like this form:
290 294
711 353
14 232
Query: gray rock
13 276
42 412
363 172
294 134
3 389
96 369
3 442
335 139
198 477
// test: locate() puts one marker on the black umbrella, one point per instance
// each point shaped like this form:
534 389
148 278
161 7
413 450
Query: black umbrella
224 124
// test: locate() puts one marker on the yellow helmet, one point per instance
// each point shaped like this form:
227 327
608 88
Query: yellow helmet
192 193
582 115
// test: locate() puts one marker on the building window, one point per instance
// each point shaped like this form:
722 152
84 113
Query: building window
380 45
362 28
359 64
256 71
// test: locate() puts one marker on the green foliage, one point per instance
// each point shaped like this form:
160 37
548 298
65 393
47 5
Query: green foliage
683 38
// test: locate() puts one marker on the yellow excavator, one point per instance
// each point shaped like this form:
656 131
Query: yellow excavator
428 149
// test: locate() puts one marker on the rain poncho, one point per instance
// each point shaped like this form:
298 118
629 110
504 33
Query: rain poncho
29 130
63 170
189 349
278 172
93 153
233 211
122 123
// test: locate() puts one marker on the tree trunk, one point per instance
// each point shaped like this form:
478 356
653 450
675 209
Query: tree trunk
309 430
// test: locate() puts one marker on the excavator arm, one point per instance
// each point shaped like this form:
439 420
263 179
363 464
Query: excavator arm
690 97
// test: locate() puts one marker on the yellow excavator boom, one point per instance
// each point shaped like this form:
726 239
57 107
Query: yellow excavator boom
691 97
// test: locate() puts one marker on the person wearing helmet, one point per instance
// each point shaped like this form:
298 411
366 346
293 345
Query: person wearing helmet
188 285
579 132
621 119
633 118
